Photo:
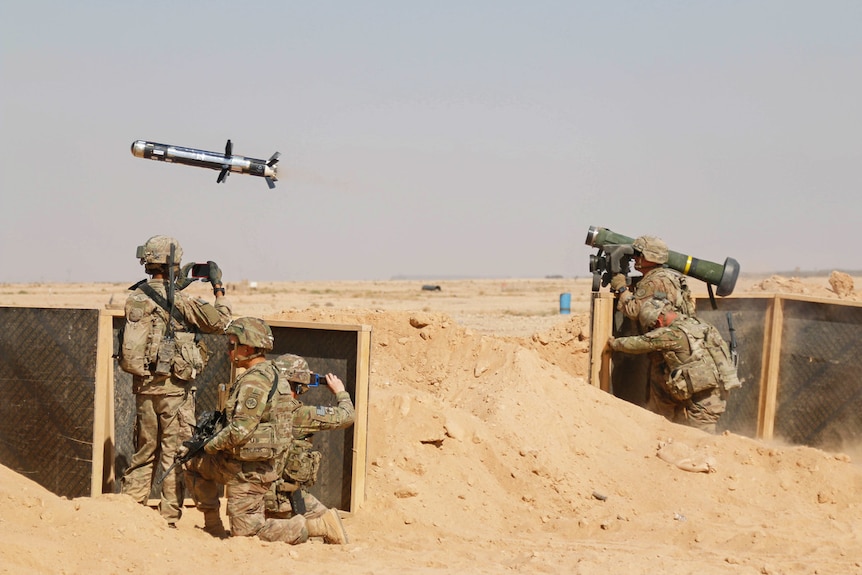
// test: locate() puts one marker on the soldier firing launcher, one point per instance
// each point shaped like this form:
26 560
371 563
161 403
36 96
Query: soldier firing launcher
615 253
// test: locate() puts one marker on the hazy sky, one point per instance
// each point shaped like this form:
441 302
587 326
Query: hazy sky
435 139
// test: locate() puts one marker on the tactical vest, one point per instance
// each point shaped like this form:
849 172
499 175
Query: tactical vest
273 433
682 300
146 348
709 365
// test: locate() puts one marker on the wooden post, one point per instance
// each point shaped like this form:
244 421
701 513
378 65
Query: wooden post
102 475
360 425
770 360
602 312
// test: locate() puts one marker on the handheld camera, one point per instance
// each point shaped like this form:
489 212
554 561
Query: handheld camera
316 380
201 272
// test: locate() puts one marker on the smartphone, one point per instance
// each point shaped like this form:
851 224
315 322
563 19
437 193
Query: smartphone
317 379
201 271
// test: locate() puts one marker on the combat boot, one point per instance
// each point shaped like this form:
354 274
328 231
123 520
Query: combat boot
328 526
213 524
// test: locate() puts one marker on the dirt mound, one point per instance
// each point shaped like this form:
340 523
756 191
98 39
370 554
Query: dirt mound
491 454
838 284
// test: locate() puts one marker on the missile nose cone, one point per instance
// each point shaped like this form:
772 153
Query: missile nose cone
138 147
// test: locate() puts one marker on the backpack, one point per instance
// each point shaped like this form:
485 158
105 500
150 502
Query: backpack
709 365
145 345
141 336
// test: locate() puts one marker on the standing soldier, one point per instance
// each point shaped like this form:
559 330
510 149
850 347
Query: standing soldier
690 383
288 497
245 454
159 348
650 255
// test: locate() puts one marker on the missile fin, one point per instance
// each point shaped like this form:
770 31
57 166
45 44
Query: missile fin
270 182
228 149
273 159
222 175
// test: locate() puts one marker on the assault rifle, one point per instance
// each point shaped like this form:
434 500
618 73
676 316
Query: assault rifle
734 353
166 349
209 423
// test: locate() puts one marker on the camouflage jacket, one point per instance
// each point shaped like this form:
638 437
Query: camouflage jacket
694 356
301 461
247 407
200 316
662 282
308 419
669 341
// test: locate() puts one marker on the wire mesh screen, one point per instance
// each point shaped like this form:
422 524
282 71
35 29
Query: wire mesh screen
335 352
820 387
325 350
748 317
630 372
47 382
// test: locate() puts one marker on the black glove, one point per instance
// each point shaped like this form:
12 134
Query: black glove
184 280
192 446
215 274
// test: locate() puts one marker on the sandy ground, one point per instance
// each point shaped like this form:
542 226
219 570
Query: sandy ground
488 453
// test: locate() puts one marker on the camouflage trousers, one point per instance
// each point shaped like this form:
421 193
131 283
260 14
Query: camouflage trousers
246 485
278 504
162 423
702 411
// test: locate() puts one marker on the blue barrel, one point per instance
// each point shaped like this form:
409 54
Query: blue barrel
565 303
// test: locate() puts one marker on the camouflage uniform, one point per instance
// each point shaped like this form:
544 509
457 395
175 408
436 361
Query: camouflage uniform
673 345
307 420
246 481
165 408
659 282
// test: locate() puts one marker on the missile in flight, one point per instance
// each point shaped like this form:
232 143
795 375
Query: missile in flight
224 163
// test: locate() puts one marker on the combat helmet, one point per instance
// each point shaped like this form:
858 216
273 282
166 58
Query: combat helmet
650 311
652 248
157 250
252 332
295 369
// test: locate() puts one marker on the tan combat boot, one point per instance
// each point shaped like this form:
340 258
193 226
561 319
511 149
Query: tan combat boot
213 524
328 526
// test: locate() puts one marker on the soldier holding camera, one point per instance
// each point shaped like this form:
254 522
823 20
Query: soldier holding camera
289 498
159 348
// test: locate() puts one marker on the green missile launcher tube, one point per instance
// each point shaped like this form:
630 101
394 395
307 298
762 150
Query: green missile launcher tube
722 276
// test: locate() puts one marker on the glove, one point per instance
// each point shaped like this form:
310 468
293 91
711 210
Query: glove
191 447
184 280
215 274
618 283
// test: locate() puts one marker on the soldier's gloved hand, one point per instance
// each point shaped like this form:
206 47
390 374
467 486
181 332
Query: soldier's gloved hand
618 283
184 280
215 274
192 446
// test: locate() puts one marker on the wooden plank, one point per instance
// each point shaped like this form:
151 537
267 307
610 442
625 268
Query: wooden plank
602 312
102 477
771 360
360 424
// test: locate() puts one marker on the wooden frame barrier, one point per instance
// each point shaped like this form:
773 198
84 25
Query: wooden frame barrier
803 383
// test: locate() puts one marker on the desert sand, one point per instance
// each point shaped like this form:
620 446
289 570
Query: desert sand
488 452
